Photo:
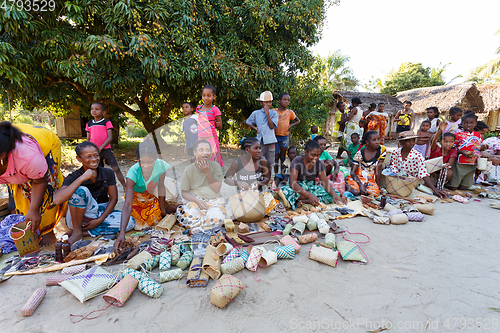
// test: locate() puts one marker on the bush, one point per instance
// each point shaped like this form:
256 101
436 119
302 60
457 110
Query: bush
136 131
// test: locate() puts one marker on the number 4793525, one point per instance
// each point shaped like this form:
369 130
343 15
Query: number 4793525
29 5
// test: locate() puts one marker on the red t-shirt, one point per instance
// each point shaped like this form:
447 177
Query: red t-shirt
469 141
438 153
99 131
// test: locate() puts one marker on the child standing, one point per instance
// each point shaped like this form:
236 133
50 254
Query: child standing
468 145
424 136
190 129
282 178
341 127
432 116
453 126
314 131
209 121
264 121
100 133
377 121
285 116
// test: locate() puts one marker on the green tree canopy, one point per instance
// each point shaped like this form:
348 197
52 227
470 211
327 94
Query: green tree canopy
334 72
411 76
156 53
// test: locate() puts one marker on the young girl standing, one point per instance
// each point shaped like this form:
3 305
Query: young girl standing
209 121
432 116
455 122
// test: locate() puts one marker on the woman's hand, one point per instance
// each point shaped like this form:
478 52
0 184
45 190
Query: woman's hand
89 174
242 185
119 242
35 218
202 204
440 193
313 200
92 224
340 200
442 126
362 189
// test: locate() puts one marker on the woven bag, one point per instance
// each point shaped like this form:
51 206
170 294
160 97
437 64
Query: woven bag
268 258
90 283
308 238
185 260
434 164
253 259
165 261
225 290
138 275
247 206
33 302
285 252
150 287
121 292
323 255
211 263
288 240
196 276
24 238
171 275
401 186
232 266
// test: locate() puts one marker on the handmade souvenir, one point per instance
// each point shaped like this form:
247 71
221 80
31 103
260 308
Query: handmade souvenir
285 252
253 259
243 228
225 290
25 239
235 253
399 218
312 224
138 275
150 287
150 264
323 227
137 260
119 294
53 280
415 216
229 225
434 164
175 254
72 270
308 238
185 260
401 186
288 229
196 276
211 263
324 255
268 258
165 261
300 218
288 240
244 255
350 251
173 274
33 302
425 208
89 283
247 206
300 227
330 240
232 266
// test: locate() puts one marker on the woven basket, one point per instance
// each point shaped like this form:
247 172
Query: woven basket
225 290
308 238
401 186
232 266
247 206
285 252
121 292
33 302
90 283
323 255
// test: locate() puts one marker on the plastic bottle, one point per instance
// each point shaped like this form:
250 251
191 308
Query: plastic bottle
66 247
59 245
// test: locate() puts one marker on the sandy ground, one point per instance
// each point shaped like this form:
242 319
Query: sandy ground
443 271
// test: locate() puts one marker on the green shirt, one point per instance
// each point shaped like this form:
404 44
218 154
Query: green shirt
352 150
141 185
325 156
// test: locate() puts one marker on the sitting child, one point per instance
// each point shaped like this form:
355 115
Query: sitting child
282 178
352 149
92 195
423 139
444 149
367 166
331 166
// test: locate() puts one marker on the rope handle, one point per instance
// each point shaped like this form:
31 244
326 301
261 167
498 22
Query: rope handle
28 226
87 315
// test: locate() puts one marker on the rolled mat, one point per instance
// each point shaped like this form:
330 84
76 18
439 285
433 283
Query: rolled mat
323 255
138 259
285 252
150 287
53 280
253 259
211 263
399 219
33 302
225 290
460 199
312 224
185 260
119 294
268 258
288 229
151 264
288 240
72 270
425 208
175 252
330 240
308 238
138 275
299 226
232 266
165 261
174 274
235 253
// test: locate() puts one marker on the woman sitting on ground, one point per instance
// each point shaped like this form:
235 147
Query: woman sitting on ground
251 170
408 161
30 158
303 172
367 166
92 196
200 187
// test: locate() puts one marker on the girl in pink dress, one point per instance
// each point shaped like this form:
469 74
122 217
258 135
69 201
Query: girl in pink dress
209 121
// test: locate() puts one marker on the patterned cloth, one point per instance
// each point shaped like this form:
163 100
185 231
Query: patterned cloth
146 210
378 122
413 165
352 126
208 131
468 141
493 144
310 187
82 198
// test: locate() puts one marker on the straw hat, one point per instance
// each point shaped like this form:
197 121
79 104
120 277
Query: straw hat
406 135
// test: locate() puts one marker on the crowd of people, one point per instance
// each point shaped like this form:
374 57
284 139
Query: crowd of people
30 159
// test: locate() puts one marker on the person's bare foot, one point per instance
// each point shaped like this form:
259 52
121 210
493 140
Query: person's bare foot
48 239
75 237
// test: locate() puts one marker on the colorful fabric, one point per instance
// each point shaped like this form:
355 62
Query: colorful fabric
284 119
310 187
208 131
350 128
369 166
145 210
258 118
378 122
98 131
19 172
468 141
422 149
368 182
452 153
140 184
405 118
336 126
453 127
352 150
413 165
493 145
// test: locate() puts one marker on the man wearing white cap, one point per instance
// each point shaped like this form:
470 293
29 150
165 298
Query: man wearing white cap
264 121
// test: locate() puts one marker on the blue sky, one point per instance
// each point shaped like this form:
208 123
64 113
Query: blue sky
379 35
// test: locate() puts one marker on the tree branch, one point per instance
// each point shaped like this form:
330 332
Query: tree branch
165 112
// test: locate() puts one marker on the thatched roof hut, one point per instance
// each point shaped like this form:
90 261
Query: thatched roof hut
392 104
490 94
465 95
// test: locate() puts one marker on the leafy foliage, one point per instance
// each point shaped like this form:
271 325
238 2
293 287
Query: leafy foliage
156 53
411 76
335 74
